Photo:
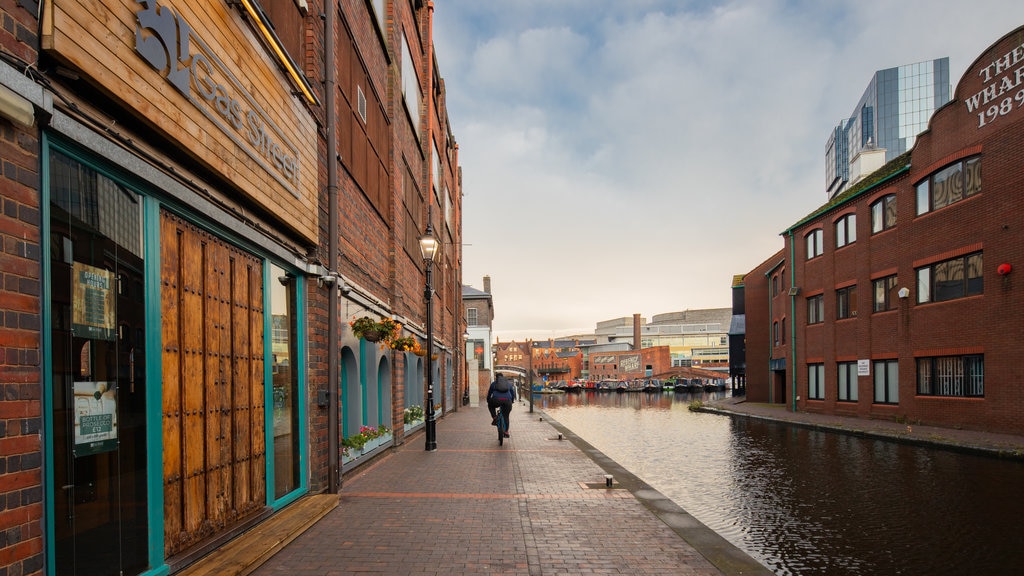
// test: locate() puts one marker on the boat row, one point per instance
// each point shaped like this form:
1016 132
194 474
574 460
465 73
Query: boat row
637 385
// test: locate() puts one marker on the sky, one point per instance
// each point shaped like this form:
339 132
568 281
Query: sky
626 157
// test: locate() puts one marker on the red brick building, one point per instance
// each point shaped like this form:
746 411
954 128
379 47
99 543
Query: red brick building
898 299
631 364
198 197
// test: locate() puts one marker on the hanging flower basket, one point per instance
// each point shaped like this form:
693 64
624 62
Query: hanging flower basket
371 330
405 344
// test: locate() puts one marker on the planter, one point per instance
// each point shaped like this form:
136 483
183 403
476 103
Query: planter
372 335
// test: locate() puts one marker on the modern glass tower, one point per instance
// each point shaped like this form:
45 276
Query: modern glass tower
894 109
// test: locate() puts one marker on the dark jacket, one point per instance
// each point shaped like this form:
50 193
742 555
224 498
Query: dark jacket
501 389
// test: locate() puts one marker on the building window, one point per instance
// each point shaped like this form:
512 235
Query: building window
959 376
775 285
815 309
814 244
883 214
783 330
846 230
471 316
410 86
846 377
883 297
846 302
952 184
950 279
887 382
775 332
815 381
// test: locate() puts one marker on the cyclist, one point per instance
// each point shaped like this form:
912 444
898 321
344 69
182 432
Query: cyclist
501 395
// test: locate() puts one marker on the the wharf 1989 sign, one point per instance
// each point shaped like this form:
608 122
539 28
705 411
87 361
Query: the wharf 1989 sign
1004 88
164 40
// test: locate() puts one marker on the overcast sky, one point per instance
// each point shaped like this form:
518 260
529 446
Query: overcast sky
632 156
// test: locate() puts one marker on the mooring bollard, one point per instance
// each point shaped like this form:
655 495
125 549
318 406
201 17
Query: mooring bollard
608 480
559 435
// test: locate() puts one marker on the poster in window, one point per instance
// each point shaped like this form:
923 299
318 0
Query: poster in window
93 308
95 417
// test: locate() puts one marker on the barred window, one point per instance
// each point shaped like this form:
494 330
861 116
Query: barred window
959 376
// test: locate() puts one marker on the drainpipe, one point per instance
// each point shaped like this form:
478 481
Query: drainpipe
334 306
792 322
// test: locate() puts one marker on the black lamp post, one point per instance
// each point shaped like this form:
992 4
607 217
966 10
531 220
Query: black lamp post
428 249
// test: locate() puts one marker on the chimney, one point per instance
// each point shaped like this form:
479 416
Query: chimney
636 331
487 284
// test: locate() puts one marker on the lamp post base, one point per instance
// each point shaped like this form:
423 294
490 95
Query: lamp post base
431 432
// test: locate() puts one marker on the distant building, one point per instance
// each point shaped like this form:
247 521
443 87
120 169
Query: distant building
698 338
479 307
893 110
896 299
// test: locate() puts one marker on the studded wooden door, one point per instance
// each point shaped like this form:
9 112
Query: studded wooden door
213 399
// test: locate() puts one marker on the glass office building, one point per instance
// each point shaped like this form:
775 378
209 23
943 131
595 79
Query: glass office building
894 109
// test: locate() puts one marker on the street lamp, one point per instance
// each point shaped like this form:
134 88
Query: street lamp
428 249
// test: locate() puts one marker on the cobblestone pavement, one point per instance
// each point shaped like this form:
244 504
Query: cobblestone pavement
539 505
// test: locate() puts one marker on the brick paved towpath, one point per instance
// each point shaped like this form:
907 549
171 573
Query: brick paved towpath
536 506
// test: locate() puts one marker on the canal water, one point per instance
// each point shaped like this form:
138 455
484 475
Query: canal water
805 502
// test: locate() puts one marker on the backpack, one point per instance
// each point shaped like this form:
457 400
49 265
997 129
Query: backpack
501 385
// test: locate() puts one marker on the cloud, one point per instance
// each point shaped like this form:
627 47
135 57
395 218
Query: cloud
631 157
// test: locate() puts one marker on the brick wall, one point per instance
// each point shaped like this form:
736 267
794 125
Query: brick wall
21 545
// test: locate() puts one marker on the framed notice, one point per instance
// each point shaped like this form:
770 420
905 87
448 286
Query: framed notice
92 314
95 409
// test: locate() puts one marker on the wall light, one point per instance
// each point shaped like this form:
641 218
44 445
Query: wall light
903 292
15 108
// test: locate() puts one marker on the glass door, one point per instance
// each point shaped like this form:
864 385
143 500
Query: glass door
98 334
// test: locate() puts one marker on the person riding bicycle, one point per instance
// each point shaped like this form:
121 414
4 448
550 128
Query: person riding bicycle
501 395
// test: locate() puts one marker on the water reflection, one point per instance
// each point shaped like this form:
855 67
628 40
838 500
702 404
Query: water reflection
808 502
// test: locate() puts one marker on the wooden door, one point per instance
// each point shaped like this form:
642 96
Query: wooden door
213 400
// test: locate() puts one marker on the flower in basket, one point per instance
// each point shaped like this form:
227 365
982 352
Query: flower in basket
375 330
405 344
355 441
413 413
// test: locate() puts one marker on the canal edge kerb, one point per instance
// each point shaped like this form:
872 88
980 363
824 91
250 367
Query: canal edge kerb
924 442
724 555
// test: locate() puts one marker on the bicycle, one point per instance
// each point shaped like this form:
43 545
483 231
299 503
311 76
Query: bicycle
501 425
